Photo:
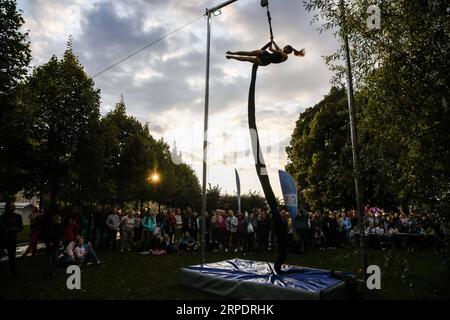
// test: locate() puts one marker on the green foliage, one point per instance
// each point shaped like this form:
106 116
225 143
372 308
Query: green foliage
14 59
130 155
68 152
14 48
62 109
320 154
402 80
126 151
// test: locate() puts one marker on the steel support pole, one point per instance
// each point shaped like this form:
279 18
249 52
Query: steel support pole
353 132
205 138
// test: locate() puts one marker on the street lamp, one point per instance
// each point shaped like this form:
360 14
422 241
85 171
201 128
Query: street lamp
154 177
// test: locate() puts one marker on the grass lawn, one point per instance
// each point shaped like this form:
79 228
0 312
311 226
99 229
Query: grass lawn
132 276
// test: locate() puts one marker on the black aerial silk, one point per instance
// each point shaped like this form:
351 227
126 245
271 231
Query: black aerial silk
279 226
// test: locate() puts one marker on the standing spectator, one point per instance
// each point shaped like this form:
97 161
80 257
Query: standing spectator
148 228
36 222
215 230
222 235
190 221
346 226
262 231
86 220
170 222
231 223
159 218
249 234
334 231
303 229
112 226
354 218
198 228
240 235
100 217
10 225
52 235
195 225
71 228
185 218
126 234
178 225
157 230
137 228
316 228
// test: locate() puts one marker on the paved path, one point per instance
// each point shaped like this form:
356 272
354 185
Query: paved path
20 249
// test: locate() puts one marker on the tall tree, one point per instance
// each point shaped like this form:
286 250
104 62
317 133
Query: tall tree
124 148
63 106
14 59
402 79
320 154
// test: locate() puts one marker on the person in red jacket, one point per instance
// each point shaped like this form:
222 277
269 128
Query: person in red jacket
36 222
170 222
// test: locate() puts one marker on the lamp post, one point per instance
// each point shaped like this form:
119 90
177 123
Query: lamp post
353 132
215 11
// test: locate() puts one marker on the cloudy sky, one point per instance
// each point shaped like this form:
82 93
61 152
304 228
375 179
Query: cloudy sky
164 84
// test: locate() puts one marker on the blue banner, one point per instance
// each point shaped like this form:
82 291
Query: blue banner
289 189
238 185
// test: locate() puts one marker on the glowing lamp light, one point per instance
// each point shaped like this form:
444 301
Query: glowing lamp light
154 177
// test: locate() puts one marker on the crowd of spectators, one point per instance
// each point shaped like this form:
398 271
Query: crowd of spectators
175 230
75 236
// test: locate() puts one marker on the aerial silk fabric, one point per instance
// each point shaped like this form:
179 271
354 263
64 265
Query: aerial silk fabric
280 228
238 186
289 189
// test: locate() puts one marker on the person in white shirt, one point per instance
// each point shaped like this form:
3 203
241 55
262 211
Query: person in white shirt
112 226
178 225
231 223
137 228
126 235
69 257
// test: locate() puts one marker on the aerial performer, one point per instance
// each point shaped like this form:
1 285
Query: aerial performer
263 58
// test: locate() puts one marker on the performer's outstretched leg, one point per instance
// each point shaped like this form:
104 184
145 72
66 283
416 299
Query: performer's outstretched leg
253 53
248 59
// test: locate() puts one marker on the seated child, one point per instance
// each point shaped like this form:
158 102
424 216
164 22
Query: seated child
186 243
84 252
69 257
168 246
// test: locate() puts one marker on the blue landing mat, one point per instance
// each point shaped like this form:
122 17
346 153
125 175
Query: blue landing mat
247 279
